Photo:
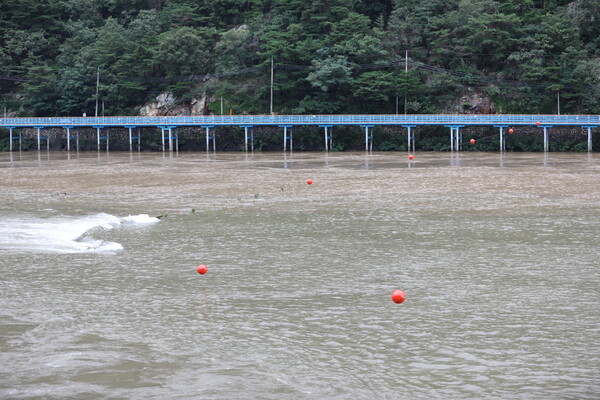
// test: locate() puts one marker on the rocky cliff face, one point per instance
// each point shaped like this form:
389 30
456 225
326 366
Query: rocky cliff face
167 105
474 101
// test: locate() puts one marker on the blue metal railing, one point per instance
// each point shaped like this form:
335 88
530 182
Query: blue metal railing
297 120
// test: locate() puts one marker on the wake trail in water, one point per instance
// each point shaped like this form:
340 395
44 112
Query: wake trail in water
64 234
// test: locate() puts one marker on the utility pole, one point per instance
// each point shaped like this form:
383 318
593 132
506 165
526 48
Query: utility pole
272 64
97 86
558 101
221 105
405 80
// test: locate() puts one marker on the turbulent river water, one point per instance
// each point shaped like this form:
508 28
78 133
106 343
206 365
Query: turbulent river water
498 256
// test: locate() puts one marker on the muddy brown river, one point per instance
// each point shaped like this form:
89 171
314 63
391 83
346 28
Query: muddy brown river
498 255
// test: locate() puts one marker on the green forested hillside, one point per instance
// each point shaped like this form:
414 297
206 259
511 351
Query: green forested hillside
329 56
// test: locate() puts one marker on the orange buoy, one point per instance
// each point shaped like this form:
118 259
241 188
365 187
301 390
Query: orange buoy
309 181
202 269
398 296
538 123
511 130
472 141
411 157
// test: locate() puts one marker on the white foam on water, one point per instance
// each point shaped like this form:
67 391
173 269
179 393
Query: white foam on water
64 234
140 219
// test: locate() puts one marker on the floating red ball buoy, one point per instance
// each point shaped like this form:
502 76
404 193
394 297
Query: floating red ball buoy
472 141
398 296
309 181
511 130
538 123
411 157
202 269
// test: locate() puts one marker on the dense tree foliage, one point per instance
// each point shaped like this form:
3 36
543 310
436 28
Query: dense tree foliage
328 56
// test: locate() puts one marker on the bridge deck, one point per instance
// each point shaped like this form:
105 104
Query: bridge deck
299 120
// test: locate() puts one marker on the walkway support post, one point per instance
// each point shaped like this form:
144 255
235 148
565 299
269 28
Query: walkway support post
131 137
502 138
589 136
328 136
287 138
100 137
10 128
173 137
68 128
248 137
39 138
455 137
209 138
410 137
546 141
170 139
368 138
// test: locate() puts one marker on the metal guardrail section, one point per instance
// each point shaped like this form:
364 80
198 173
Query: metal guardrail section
297 120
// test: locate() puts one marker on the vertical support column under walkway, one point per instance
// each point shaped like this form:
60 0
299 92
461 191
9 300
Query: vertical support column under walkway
99 137
12 137
328 136
589 136
39 138
368 138
287 137
455 137
410 137
546 143
248 138
132 138
209 138
68 128
169 137
502 138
